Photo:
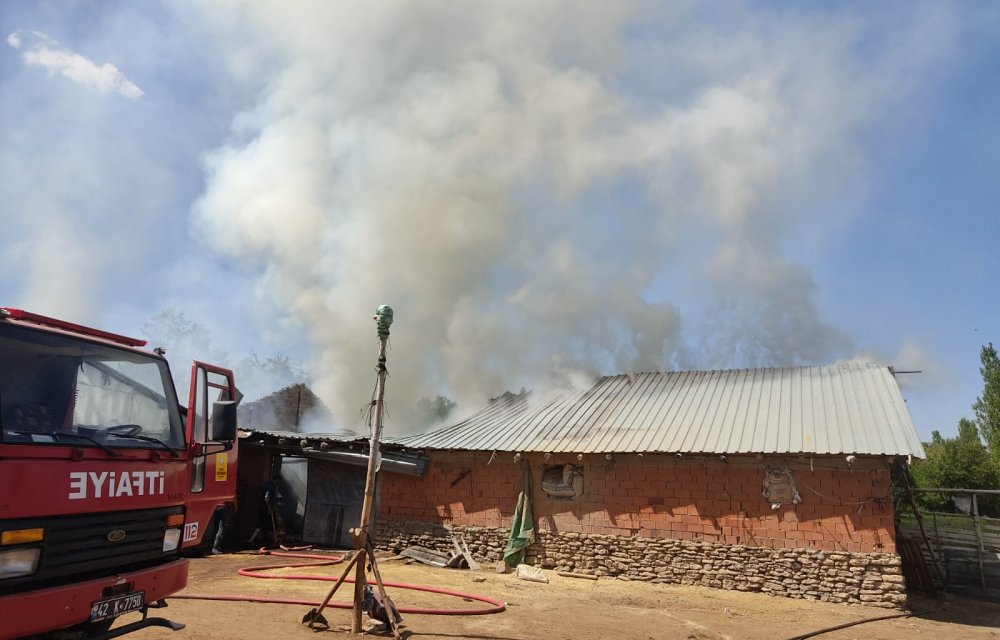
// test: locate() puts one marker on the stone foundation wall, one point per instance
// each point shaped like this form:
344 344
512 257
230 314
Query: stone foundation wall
868 578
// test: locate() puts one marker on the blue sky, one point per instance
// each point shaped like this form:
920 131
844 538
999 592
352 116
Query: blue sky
539 190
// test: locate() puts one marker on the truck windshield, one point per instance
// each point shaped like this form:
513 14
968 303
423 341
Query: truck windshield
54 387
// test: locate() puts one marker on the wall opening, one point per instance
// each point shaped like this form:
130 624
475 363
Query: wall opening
563 481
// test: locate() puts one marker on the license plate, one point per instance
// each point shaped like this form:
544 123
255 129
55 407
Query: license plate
114 607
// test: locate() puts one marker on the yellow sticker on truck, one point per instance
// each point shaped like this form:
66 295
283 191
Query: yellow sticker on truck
221 467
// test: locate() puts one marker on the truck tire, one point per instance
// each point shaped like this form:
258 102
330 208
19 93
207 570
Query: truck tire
207 540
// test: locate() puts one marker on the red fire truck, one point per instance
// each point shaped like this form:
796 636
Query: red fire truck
104 477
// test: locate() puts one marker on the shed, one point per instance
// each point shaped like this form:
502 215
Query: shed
323 480
323 473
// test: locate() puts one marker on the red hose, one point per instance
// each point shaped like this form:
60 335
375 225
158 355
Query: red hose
255 572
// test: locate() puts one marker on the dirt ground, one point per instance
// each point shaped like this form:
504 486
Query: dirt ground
563 608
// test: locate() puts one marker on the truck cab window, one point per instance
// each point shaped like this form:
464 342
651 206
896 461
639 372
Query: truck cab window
54 385
113 394
199 432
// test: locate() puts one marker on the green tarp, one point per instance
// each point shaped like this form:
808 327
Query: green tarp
522 528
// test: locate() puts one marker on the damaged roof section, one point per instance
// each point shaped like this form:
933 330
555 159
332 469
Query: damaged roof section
846 408
344 447
289 409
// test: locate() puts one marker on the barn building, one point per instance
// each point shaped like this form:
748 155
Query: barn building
768 480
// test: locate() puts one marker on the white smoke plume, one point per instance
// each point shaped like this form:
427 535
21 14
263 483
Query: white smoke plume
538 187
43 51
915 368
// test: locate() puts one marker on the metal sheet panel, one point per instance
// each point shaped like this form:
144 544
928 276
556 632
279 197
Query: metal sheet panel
335 495
846 408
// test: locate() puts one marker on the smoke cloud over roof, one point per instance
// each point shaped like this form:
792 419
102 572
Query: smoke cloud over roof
498 176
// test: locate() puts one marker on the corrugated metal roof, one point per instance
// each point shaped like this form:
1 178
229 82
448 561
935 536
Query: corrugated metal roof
846 408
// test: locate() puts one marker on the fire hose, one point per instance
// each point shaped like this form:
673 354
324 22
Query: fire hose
496 606
853 623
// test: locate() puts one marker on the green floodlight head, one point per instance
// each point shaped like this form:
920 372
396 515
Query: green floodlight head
383 319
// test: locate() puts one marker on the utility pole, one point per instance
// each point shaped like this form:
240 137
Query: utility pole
383 320
364 550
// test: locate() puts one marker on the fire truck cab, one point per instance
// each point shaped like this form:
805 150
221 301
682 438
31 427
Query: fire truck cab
103 477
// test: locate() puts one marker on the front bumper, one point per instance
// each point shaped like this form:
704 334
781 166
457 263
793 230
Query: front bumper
55 608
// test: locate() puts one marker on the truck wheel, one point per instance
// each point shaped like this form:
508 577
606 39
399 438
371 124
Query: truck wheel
207 540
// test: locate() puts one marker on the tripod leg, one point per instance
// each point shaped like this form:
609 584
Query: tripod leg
314 614
390 606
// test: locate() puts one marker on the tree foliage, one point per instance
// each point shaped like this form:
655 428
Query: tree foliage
258 376
987 406
434 411
172 330
961 462
186 340
964 462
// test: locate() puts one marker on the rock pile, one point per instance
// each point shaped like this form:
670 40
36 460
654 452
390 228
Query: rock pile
869 578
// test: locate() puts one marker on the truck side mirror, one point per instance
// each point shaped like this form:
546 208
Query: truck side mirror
224 421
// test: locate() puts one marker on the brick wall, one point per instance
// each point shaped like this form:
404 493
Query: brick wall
658 496
663 519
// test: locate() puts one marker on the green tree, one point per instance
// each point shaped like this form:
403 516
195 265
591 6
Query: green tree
172 330
961 462
987 406
431 412
258 376
186 340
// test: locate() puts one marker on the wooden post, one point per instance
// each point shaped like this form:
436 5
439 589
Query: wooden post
315 616
359 587
979 540
361 538
923 532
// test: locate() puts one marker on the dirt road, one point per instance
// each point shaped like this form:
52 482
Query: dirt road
564 608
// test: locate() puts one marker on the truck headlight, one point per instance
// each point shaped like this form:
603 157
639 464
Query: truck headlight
171 539
18 562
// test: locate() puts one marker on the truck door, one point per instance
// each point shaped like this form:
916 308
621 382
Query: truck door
212 481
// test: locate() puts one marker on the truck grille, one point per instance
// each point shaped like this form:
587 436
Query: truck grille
85 545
